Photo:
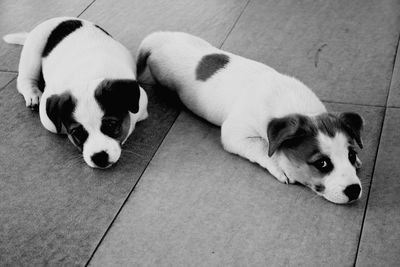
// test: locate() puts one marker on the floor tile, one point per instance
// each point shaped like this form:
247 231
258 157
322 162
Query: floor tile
343 50
381 233
197 205
394 93
130 21
16 16
54 208
5 78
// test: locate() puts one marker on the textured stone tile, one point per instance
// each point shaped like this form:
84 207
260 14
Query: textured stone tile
5 78
24 15
394 93
343 50
54 208
130 21
381 233
197 205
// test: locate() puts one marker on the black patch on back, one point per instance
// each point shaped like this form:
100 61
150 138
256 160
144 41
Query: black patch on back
63 29
209 65
102 30
142 62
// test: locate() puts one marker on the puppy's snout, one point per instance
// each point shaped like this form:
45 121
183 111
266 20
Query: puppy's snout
352 191
101 159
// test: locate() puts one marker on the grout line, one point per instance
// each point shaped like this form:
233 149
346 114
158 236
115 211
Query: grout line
86 8
1 89
392 107
9 71
234 24
350 103
130 193
376 155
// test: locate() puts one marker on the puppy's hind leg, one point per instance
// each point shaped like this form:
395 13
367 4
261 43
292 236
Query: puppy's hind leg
244 142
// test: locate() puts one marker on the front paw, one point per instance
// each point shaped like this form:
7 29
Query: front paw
281 176
32 98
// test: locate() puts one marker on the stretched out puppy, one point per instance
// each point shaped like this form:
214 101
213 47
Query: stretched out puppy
90 89
265 116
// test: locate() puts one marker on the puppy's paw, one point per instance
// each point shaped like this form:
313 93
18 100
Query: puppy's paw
32 98
281 176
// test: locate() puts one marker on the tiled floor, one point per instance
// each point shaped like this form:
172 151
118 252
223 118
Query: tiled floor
176 198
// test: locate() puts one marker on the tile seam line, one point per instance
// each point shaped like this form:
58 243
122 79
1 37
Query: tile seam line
234 24
91 3
9 71
2 88
351 103
129 194
377 153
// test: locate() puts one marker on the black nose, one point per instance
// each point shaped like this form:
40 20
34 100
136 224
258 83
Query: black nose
352 191
100 159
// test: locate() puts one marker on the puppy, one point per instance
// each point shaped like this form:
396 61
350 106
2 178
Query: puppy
90 89
265 116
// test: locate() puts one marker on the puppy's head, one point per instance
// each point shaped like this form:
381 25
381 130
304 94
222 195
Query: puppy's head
97 118
320 152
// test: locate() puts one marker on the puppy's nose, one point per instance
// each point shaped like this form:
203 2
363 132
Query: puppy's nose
100 159
352 191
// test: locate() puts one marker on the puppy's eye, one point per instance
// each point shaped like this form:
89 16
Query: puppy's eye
79 135
352 156
324 165
111 128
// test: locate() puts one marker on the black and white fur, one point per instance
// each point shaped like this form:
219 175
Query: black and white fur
265 116
90 89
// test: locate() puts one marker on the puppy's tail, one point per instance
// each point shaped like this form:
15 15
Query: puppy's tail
15 38
149 43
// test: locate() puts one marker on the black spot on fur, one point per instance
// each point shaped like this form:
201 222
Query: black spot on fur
209 65
103 30
116 98
64 29
119 96
142 62
349 123
289 131
59 109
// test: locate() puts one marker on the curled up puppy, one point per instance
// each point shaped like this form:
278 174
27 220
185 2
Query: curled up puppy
90 91
265 116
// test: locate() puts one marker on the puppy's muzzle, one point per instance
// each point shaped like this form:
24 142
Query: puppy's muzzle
101 159
353 192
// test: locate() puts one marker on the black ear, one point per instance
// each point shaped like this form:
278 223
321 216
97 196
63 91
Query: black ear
59 109
288 129
118 95
354 124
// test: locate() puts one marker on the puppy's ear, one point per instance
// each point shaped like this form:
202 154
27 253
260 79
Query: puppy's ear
289 129
353 124
122 92
59 108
